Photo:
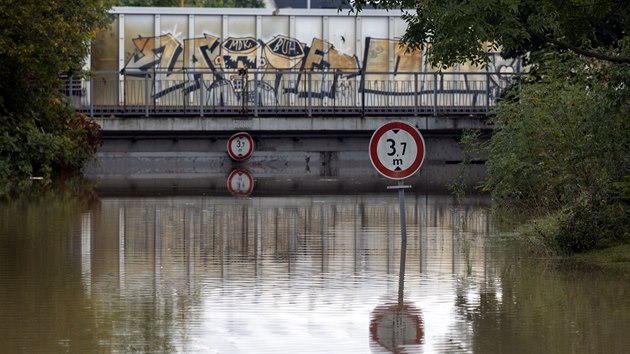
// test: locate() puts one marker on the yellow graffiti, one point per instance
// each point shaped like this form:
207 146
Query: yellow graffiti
322 55
151 52
205 51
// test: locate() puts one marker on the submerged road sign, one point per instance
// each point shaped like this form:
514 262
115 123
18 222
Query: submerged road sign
240 146
397 150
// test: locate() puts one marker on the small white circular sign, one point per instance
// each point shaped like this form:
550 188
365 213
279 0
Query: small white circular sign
240 146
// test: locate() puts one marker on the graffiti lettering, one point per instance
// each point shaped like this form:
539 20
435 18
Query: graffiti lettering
323 71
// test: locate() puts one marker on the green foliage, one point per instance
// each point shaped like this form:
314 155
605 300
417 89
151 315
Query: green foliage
39 134
562 143
473 147
600 221
192 3
562 133
458 31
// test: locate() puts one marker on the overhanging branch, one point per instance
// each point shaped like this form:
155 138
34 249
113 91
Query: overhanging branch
581 51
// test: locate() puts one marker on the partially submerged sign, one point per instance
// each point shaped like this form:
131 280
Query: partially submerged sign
397 150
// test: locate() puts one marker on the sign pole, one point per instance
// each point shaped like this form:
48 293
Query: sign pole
403 241
397 151
403 237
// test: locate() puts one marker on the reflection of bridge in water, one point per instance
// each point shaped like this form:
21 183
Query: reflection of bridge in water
229 238
194 262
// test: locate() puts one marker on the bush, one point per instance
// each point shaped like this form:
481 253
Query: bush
28 151
562 146
597 222
561 135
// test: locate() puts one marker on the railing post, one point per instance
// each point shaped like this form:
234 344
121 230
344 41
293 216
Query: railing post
363 83
415 95
124 93
435 93
202 96
146 94
310 94
91 97
256 93
184 95
487 92
154 91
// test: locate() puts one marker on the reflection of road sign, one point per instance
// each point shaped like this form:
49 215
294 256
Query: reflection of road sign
397 150
240 182
396 325
240 146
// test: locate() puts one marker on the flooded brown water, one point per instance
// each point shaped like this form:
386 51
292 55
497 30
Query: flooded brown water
290 274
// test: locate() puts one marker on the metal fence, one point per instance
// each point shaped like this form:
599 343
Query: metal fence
286 93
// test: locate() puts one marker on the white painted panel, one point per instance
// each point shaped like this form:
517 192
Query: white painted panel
137 26
207 25
242 26
307 28
376 27
341 34
273 26
177 26
400 27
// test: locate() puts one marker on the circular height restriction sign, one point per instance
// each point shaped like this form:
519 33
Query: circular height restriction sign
240 146
397 150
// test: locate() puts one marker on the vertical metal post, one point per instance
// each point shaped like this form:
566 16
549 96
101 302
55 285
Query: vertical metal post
125 93
363 83
256 98
435 93
184 94
403 240
487 92
415 97
146 94
91 97
202 96
310 94
154 92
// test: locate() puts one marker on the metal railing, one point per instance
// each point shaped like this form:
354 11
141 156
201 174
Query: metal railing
286 93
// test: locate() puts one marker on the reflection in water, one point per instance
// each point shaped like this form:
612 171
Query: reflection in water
396 327
285 275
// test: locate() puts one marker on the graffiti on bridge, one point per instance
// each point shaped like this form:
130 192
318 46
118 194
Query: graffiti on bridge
287 67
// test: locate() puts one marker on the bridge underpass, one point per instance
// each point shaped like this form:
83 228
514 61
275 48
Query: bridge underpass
170 86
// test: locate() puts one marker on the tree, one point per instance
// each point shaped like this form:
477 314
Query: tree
39 41
458 31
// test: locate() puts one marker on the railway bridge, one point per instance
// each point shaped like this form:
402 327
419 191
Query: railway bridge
186 79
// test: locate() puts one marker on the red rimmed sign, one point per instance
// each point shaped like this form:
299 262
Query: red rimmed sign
240 182
240 146
397 150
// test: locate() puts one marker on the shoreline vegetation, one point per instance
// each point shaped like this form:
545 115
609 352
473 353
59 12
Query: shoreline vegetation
561 151
42 138
539 233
